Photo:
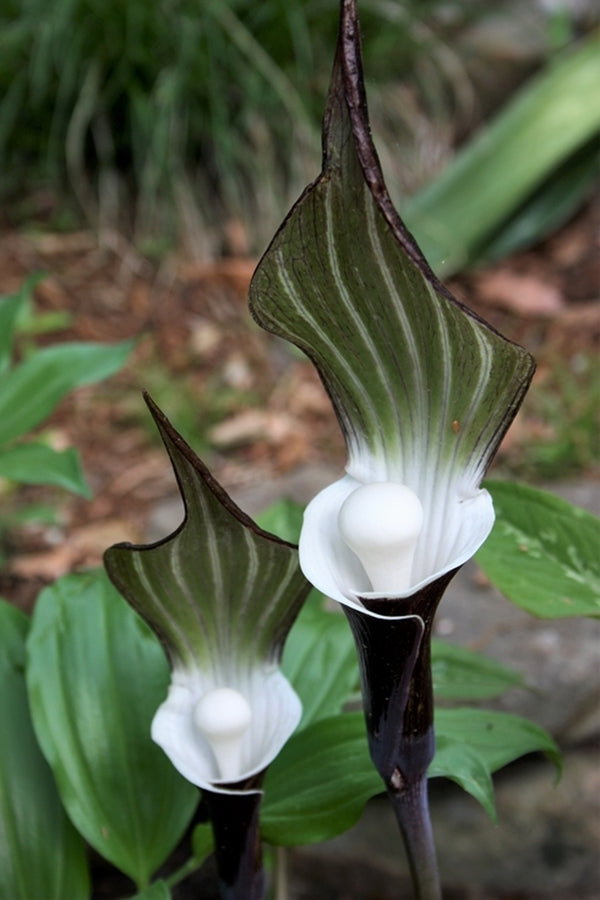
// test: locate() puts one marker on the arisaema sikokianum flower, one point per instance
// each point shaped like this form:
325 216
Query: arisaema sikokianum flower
424 391
222 595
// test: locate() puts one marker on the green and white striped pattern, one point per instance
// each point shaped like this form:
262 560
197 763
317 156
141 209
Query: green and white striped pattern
219 589
416 379
221 594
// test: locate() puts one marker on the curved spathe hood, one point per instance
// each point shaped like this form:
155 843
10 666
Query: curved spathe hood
424 389
221 594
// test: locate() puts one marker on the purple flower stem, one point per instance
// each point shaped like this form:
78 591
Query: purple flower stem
238 851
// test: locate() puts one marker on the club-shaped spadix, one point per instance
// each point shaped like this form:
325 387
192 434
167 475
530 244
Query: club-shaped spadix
381 523
223 717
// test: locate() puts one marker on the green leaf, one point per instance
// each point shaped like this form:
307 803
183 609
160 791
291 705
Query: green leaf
216 569
40 464
319 660
548 208
460 674
96 675
543 552
203 842
158 890
554 113
9 311
31 391
498 737
41 854
319 783
464 764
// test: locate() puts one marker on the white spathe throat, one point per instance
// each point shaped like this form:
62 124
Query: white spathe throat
380 537
381 523
223 717
219 730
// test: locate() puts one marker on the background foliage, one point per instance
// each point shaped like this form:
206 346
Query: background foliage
174 117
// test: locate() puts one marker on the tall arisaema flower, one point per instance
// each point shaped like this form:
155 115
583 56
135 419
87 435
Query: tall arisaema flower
424 391
221 594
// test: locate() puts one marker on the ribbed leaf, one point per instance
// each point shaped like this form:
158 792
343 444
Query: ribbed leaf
95 677
499 738
30 391
465 766
328 764
460 674
41 854
424 390
320 782
219 581
40 464
543 553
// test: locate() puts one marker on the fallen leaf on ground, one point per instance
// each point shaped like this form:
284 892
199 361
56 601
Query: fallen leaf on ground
523 294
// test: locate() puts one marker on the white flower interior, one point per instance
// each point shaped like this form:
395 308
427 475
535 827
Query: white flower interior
219 728
223 716
456 521
381 523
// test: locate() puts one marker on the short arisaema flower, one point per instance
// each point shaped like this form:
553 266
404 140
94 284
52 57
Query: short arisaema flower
424 391
221 594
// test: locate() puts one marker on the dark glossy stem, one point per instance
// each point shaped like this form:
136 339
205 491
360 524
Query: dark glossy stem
238 851
410 804
393 639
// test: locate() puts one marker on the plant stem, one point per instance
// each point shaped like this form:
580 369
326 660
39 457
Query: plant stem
238 852
182 872
409 801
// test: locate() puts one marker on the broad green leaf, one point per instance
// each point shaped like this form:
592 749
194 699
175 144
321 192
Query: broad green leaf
96 675
9 311
319 783
158 890
40 464
423 389
464 764
319 660
498 737
543 552
41 854
460 674
31 391
555 113
219 581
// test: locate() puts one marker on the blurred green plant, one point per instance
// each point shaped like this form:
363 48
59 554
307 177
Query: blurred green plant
563 415
176 97
164 119
33 381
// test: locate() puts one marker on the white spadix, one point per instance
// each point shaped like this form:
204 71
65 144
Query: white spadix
223 717
381 523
